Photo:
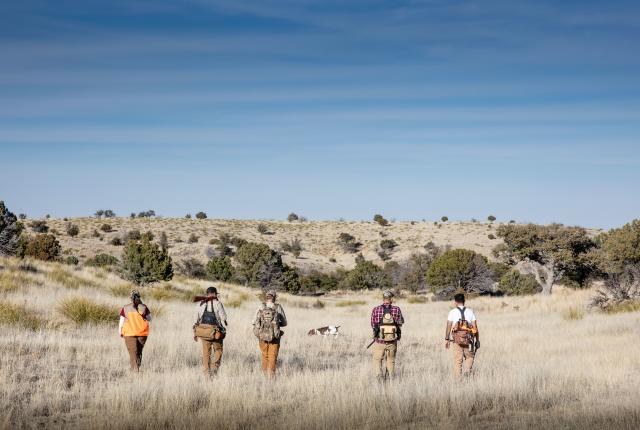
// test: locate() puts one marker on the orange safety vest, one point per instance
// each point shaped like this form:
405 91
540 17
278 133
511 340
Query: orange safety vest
135 324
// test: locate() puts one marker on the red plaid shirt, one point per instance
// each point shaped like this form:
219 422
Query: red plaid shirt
378 312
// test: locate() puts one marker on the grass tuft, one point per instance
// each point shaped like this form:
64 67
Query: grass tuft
573 314
68 280
417 299
85 311
19 315
347 303
628 306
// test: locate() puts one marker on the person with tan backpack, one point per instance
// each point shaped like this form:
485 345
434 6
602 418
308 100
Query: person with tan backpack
267 324
386 322
462 328
134 328
211 329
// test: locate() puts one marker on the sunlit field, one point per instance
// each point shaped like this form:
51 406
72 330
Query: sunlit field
545 362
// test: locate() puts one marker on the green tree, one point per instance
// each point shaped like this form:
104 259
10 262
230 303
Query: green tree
444 219
459 270
547 252
621 246
144 262
254 263
491 218
220 269
43 247
366 275
201 215
10 230
514 283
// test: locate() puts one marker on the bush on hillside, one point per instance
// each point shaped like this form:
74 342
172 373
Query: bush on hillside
621 291
84 311
459 270
10 230
73 230
292 217
293 247
191 268
39 226
145 262
514 283
193 238
42 247
201 215
220 269
106 228
72 260
348 243
101 260
380 220
491 218
388 244
116 241
366 275
262 228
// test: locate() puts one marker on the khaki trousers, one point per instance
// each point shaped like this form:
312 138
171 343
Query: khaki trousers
269 357
463 360
207 364
380 351
134 345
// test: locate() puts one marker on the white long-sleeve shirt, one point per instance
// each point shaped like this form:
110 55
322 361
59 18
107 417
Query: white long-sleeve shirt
218 310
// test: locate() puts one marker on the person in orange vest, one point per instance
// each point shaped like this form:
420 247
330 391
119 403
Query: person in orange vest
134 328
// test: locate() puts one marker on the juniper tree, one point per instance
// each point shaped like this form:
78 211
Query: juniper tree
144 262
10 230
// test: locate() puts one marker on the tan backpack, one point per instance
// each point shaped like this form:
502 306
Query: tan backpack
267 326
388 327
463 331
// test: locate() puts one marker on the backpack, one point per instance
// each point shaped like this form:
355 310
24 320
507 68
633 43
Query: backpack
267 326
207 327
463 332
388 329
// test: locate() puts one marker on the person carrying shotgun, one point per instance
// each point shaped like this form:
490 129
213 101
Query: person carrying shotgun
386 322
211 329
462 329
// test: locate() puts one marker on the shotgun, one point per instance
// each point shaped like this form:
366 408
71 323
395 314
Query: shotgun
372 342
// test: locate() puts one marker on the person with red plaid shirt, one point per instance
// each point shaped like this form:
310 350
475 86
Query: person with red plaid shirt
385 348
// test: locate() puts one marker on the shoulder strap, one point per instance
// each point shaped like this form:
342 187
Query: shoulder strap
462 312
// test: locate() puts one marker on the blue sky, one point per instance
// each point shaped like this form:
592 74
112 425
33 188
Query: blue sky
527 110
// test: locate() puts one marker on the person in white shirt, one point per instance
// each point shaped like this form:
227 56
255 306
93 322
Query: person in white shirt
462 329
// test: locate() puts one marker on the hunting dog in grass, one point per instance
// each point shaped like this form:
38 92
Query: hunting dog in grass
325 331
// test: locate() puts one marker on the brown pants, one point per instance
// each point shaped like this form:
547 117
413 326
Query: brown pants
380 351
269 357
207 365
463 360
134 345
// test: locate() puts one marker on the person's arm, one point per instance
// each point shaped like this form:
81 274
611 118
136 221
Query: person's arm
475 324
400 320
122 320
283 317
222 314
147 313
447 334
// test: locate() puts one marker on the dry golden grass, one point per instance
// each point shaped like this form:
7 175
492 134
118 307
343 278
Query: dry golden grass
535 369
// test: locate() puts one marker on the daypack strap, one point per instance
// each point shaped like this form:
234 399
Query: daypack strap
462 312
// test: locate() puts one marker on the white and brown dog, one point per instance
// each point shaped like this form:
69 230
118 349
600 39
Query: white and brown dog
325 331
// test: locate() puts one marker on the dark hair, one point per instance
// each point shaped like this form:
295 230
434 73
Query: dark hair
459 298
211 290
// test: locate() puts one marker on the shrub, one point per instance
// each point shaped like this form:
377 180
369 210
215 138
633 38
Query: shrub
164 241
84 311
192 268
459 270
108 213
193 238
188 216
22 216
95 233
144 262
19 315
262 228
252 258
116 241
622 246
383 254
512 221
621 291
101 260
380 220
292 217
319 281
147 214
106 228
491 218
409 274
294 247
99 213
366 275
514 283
72 230
201 215
388 244
491 236
71 260
132 215
133 235
148 235
42 247
220 269
10 230
348 243
39 226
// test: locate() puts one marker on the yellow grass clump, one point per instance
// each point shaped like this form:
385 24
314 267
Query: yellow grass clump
20 316
84 311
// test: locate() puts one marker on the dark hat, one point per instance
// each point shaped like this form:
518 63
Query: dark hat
212 290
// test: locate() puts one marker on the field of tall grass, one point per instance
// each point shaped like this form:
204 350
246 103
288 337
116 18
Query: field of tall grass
545 362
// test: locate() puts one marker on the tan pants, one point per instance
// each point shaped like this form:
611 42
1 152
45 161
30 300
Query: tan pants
380 351
134 345
463 360
209 365
269 357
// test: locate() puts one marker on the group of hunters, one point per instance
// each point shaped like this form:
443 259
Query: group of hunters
386 321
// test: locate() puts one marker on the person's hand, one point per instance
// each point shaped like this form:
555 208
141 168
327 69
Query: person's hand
477 343
195 338
447 342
